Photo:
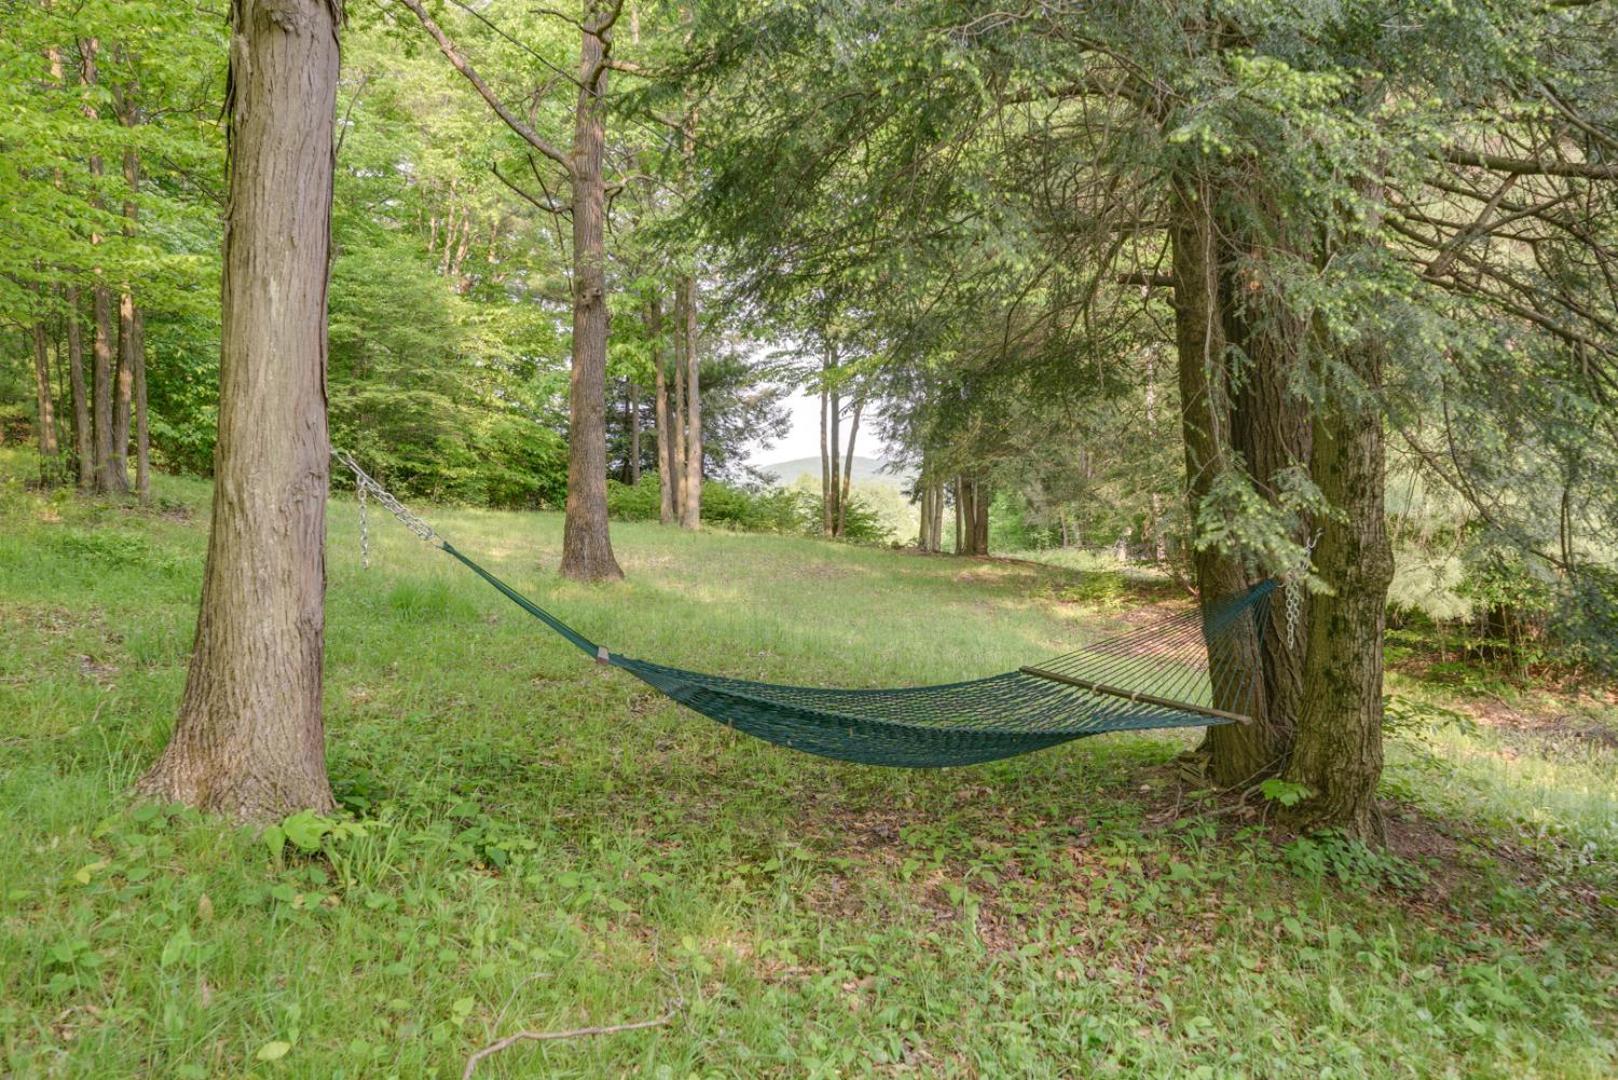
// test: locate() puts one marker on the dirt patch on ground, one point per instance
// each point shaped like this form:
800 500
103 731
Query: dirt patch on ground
1559 720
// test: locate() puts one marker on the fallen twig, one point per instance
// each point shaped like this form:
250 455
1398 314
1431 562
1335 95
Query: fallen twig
573 1033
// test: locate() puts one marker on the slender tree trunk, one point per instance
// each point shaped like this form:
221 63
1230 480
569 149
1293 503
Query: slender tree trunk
101 314
981 531
143 435
925 517
665 433
586 544
106 464
124 391
827 450
131 330
848 467
960 515
46 409
691 509
834 494
677 407
1155 501
249 740
82 433
1238 753
634 433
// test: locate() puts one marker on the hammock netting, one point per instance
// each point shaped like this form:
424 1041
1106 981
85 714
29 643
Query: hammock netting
1158 675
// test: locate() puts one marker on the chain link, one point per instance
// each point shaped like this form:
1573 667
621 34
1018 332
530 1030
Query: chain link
365 532
1294 589
367 486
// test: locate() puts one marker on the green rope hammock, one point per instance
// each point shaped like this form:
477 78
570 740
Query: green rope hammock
1156 676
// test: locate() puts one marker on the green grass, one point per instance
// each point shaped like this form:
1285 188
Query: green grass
543 843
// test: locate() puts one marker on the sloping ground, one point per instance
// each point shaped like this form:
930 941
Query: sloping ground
540 843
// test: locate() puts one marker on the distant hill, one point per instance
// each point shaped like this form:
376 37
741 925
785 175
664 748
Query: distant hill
867 470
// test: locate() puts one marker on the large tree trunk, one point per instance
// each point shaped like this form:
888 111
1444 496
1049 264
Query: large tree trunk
1338 753
586 545
249 739
665 434
1238 753
691 508
82 434
1270 431
45 407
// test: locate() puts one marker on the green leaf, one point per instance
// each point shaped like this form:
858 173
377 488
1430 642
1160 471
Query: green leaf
306 829
273 1051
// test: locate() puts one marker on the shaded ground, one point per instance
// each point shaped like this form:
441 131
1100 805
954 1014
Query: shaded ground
534 842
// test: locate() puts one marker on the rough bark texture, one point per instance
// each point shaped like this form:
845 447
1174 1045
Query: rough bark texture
1338 753
586 545
1270 430
249 740
1238 754
665 437
82 434
691 506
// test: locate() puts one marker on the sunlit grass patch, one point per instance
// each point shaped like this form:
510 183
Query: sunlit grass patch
531 841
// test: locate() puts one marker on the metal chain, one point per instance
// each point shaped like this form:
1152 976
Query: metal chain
365 532
365 485
1294 589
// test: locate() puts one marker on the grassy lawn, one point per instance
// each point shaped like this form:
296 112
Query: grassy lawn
542 843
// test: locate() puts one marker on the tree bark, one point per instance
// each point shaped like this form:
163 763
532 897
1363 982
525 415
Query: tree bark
691 508
677 407
106 464
82 434
44 405
634 433
1270 430
665 434
586 543
834 493
1338 754
827 449
106 477
143 437
249 740
1238 753
848 467
960 515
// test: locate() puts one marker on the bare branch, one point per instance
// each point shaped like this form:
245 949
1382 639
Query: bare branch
1531 166
459 63
574 1033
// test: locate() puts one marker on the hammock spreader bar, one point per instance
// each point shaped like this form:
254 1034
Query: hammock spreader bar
1190 669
